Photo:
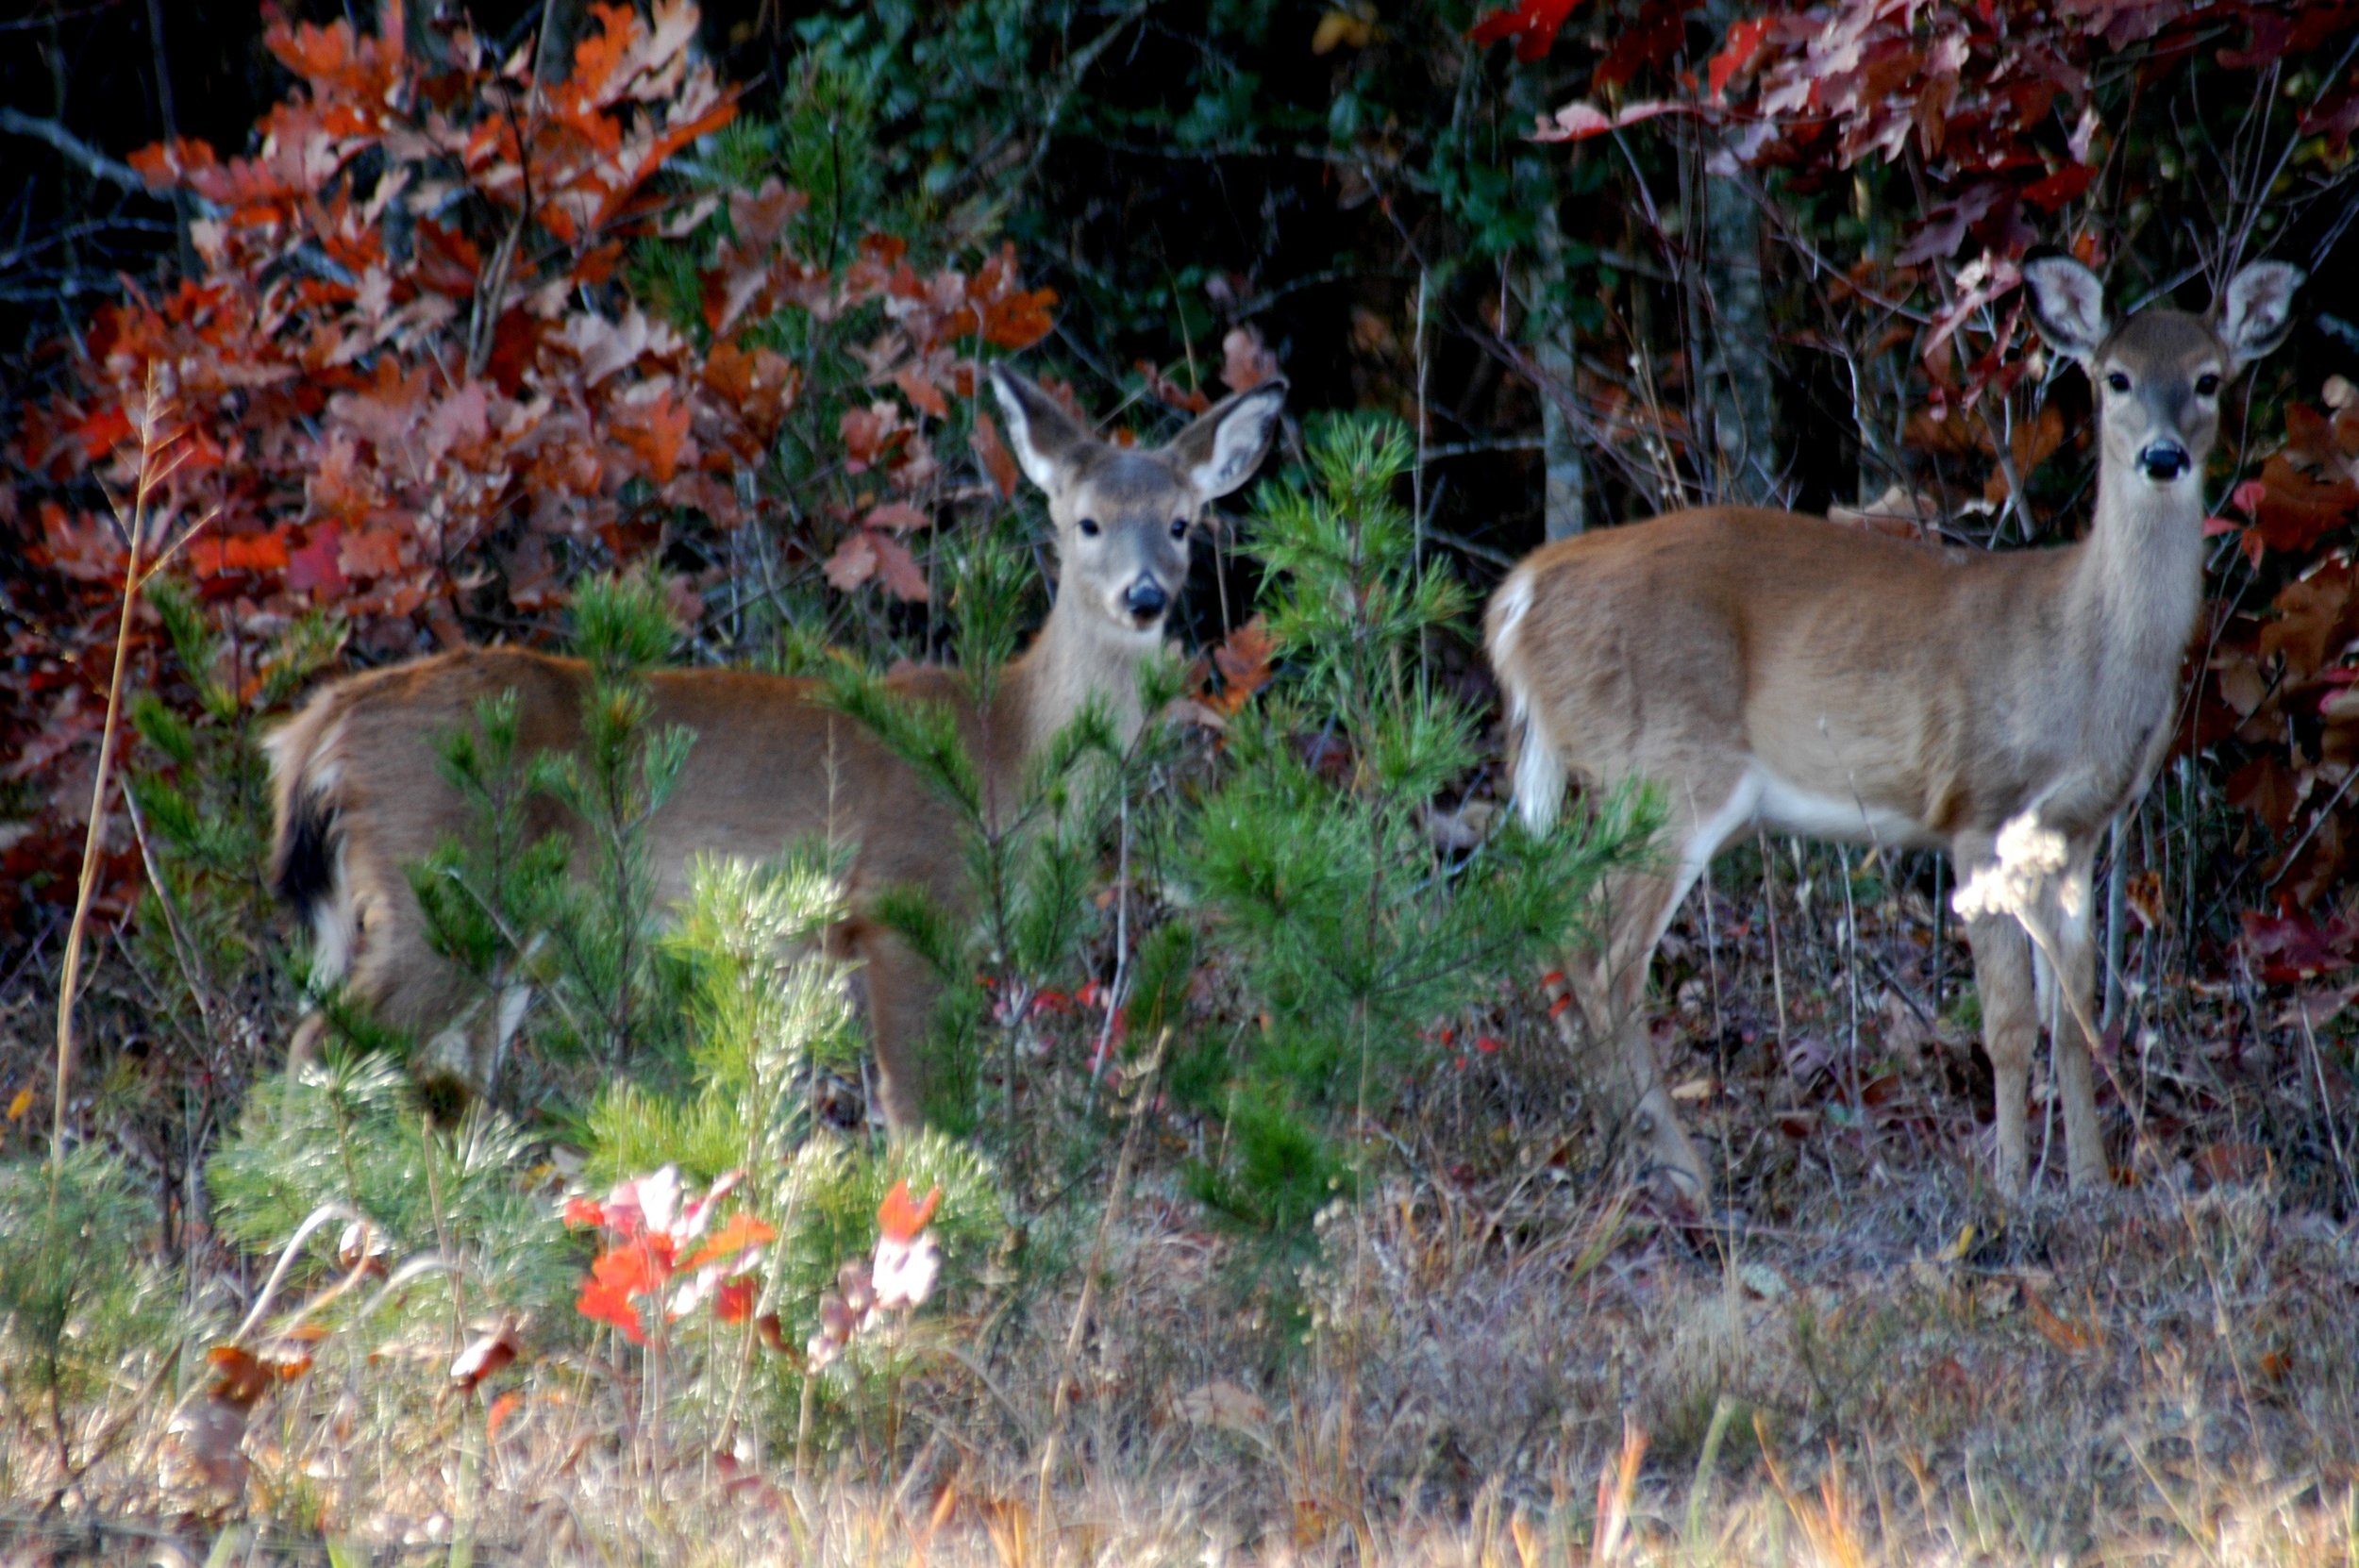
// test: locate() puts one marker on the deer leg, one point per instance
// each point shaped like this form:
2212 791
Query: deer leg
900 993
2069 922
2003 982
1611 990
304 1048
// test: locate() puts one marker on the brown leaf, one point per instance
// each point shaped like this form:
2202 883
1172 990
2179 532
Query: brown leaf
2316 617
854 562
993 452
484 1357
1244 361
920 390
899 570
1164 390
898 516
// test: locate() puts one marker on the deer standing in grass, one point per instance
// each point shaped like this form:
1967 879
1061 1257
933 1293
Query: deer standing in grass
1768 669
359 797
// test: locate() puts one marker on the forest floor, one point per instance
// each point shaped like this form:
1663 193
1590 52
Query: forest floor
1499 1354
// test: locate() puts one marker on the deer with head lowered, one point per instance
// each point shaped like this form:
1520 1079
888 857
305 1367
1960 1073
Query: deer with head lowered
359 796
1764 669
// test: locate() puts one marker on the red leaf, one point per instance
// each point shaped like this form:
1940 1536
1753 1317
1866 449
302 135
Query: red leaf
581 1212
899 1219
1532 23
502 1408
733 1301
1743 44
2298 947
2065 185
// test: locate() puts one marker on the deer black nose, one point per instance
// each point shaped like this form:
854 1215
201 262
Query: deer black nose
1146 599
2165 460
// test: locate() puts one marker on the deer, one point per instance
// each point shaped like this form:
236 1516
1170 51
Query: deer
357 796
1765 670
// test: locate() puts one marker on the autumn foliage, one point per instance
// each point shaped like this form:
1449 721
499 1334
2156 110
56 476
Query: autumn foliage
413 386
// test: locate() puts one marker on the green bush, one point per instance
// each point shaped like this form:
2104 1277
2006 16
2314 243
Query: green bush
1349 923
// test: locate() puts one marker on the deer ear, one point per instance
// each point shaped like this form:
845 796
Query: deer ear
1048 442
2257 312
1222 448
2069 303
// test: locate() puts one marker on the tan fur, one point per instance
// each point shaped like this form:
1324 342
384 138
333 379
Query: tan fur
1767 667
769 763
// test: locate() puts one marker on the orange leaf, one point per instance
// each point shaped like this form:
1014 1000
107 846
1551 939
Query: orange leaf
214 554
733 1301
1243 659
993 452
1244 362
920 390
657 436
742 1231
604 1304
634 1270
21 1102
502 1408
1745 41
899 1219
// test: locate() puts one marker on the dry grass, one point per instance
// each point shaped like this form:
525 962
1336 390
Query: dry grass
1501 1356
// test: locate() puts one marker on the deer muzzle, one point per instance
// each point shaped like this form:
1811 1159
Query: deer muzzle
1146 601
2165 460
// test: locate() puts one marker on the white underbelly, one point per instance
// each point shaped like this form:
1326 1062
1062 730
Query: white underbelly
1783 806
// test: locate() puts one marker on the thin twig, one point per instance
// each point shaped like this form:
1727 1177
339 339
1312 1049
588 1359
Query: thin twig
69 982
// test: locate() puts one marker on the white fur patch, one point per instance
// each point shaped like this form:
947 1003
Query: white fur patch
335 927
1539 769
1515 603
1540 775
1786 807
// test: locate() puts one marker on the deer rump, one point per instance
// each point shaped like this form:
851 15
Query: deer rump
360 797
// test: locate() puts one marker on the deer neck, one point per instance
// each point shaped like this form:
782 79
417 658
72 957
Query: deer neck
1078 657
2139 582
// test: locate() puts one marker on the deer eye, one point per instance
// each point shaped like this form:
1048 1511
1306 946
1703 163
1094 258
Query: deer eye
1089 528
2118 380
2207 385
1179 527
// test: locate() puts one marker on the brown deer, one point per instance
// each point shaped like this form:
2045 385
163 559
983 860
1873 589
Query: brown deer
359 796
1763 668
